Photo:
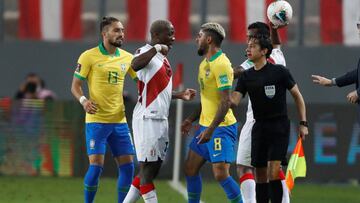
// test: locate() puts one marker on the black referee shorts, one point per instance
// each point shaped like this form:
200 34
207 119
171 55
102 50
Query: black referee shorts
269 141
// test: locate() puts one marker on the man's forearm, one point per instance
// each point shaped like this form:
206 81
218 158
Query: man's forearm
300 104
220 114
275 39
140 61
347 79
238 70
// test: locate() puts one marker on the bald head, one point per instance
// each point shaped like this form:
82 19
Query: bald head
159 26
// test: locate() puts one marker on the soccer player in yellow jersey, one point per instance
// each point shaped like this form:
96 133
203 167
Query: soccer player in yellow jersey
104 68
216 138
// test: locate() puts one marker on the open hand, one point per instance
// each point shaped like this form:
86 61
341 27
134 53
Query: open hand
317 79
188 94
353 97
205 136
90 107
186 127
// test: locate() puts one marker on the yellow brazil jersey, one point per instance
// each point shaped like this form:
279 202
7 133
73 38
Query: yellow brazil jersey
105 75
215 75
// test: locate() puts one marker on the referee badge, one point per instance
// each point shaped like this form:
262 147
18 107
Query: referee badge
270 91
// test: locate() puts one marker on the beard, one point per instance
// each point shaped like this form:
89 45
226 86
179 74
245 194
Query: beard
116 43
202 50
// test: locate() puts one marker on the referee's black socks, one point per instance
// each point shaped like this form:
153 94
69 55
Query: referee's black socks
276 191
262 192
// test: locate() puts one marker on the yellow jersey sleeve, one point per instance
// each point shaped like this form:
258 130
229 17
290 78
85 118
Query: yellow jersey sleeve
223 75
83 66
132 73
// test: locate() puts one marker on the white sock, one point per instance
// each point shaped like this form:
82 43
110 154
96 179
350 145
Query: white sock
286 195
247 187
150 197
133 195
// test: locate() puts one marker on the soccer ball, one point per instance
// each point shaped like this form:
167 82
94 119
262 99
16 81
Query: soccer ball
279 13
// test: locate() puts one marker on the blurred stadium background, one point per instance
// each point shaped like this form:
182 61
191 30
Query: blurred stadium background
45 139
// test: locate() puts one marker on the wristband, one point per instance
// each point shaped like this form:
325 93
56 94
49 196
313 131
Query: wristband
304 123
157 47
333 82
82 100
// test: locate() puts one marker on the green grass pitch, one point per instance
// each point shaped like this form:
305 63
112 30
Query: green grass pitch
61 190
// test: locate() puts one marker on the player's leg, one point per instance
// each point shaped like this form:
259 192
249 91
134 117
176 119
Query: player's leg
148 172
221 149
229 185
151 143
259 159
193 163
196 158
134 192
243 164
279 130
122 149
95 143
262 185
276 191
286 193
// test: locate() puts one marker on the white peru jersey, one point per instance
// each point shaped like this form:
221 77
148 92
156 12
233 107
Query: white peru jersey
154 87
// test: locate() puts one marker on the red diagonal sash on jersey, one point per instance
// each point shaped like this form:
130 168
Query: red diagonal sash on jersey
158 82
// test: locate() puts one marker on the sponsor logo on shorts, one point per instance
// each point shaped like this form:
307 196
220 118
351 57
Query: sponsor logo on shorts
92 144
270 91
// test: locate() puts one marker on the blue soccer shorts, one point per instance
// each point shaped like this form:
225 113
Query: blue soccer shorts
220 148
117 135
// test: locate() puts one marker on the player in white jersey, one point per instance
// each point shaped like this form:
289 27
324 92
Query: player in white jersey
150 116
243 158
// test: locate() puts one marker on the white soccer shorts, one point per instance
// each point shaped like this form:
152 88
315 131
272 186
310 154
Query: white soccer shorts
151 138
243 156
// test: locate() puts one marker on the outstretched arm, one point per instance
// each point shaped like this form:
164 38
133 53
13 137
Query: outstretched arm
186 95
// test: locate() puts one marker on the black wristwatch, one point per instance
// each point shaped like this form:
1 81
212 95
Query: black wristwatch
304 123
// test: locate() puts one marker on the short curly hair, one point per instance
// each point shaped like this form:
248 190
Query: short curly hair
215 30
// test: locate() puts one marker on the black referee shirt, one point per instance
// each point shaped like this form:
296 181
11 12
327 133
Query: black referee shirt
267 90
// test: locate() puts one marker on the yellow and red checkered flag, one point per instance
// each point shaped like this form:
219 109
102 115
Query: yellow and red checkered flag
297 165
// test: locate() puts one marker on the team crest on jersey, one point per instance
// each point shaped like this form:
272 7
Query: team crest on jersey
270 91
78 68
224 79
123 67
92 144
207 73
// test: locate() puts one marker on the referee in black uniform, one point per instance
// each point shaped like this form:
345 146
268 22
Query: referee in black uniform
266 85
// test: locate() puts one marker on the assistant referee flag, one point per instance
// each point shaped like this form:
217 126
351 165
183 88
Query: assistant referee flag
297 165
